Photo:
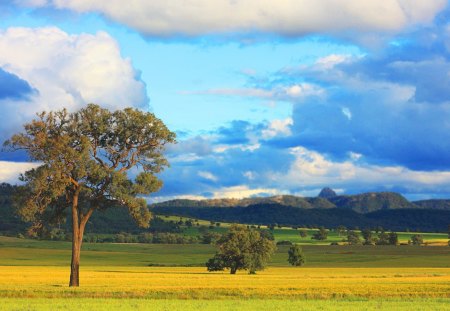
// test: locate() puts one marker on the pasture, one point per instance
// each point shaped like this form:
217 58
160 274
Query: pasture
293 235
34 276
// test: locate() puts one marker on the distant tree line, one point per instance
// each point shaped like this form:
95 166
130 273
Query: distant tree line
274 215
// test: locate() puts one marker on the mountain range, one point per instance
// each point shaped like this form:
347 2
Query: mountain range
386 209
327 199
373 209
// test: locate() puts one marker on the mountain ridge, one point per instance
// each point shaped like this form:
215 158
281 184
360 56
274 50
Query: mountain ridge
362 203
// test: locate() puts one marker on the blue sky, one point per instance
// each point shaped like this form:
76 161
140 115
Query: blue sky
267 97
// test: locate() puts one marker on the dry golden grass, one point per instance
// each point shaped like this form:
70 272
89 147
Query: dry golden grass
188 283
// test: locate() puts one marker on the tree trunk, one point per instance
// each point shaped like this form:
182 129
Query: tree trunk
79 221
76 244
233 270
75 263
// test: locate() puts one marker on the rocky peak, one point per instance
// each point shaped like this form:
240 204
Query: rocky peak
327 193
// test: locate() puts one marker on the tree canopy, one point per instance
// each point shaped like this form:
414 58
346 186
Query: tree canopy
241 248
296 256
321 234
85 160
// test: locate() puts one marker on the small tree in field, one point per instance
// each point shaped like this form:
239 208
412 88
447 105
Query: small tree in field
241 248
393 238
383 238
295 256
320 235
416 239
353 238
341 230
303 233
85 158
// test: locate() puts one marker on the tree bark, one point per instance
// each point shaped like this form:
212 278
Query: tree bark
79 221
233 270
76 244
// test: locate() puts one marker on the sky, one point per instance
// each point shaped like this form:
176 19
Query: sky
267 97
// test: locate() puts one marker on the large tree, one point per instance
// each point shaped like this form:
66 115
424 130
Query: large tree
85 160
241 248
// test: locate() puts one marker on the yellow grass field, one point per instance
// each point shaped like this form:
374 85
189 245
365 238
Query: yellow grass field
196 283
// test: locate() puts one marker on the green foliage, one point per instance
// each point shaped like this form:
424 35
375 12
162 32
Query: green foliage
368 237
267 234
210 237
372 201
85 158
383 238
341 230
303 233
241 248
396 219
284 242
320 235
16 252
416 239
296 256
393 238
353 238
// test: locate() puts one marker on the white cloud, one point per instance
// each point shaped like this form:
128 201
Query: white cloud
284 17
10 171
278 128
302 90
207 175
293 93
346 112
311 169
331 60
240 192
67 71
249 175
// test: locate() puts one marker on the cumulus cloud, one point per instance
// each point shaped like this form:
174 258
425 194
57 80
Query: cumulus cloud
48 69
13 87
391 107
207 175
9 171
289 18
272 170
293 92
278 128
63 71
317 170
243 191
377 121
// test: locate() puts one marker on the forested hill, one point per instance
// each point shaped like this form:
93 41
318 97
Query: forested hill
434 204
286 200
386 209
265 214
360 203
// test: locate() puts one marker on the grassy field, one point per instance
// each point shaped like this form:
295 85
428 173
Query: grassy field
24 252
101 304
34 276
293 235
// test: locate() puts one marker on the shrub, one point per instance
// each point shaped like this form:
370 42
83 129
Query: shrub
284 242
296 256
